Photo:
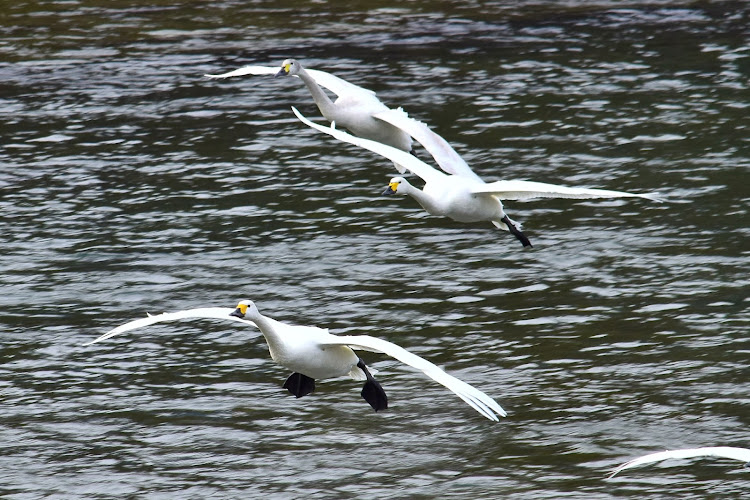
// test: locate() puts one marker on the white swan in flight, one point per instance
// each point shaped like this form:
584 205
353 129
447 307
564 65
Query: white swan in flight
459 194
355 109
742 454
313 353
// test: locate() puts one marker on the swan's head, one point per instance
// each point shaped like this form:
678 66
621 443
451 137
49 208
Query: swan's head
397 185
289 67
243 308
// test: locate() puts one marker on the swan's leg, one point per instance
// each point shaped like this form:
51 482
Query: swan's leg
299 385
516 232
372 391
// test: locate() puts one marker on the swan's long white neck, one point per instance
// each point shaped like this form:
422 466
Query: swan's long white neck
267 326
272 331
422 198
324 102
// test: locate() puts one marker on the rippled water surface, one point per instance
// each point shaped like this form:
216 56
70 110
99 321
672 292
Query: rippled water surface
129 183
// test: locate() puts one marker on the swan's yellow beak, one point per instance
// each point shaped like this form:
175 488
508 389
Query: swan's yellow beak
284 70
391 189
240 311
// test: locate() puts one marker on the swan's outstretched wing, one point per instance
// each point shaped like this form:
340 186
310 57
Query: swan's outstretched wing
202 312
247 70
331 82
444 154
524 190
475 398
711 451
407 160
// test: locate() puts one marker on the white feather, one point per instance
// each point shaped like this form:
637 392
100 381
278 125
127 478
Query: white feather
316 353
355 108
742 454
458 194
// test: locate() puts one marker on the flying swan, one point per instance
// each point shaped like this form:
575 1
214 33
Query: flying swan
313 353
355 108
459 193
742 454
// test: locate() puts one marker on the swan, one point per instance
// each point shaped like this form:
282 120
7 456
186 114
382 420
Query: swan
459 193
313 353
742 454
355 108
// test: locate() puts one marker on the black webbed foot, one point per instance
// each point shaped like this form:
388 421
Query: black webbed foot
372 391
299 385
374 394
516 232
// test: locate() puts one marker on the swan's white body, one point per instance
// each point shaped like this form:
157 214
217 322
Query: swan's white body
742 454
459 193
355 108
317 354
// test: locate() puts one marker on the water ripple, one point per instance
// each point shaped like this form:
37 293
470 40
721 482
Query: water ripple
134 185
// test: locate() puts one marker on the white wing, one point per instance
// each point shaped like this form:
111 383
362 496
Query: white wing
202 312
441 151
333 83
337 85
524 190
407 160
247 70
475 398
711 451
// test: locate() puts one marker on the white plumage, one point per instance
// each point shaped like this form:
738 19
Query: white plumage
355 109
317 354
742 454
459 193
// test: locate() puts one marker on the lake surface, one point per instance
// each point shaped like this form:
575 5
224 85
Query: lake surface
129 183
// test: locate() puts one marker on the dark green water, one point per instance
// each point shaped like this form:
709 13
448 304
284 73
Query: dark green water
131 184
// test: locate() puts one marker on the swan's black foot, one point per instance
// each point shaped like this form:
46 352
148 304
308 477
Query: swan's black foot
516 232
375 395
299 385
372 391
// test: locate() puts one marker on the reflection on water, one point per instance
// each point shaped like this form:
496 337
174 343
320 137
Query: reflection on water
131 184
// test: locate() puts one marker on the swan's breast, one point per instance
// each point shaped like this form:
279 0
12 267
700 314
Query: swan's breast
301 349
454 199
355 113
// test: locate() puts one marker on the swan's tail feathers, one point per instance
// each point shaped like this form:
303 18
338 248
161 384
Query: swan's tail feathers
372 391
508 224
356 373
500 225
299 385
